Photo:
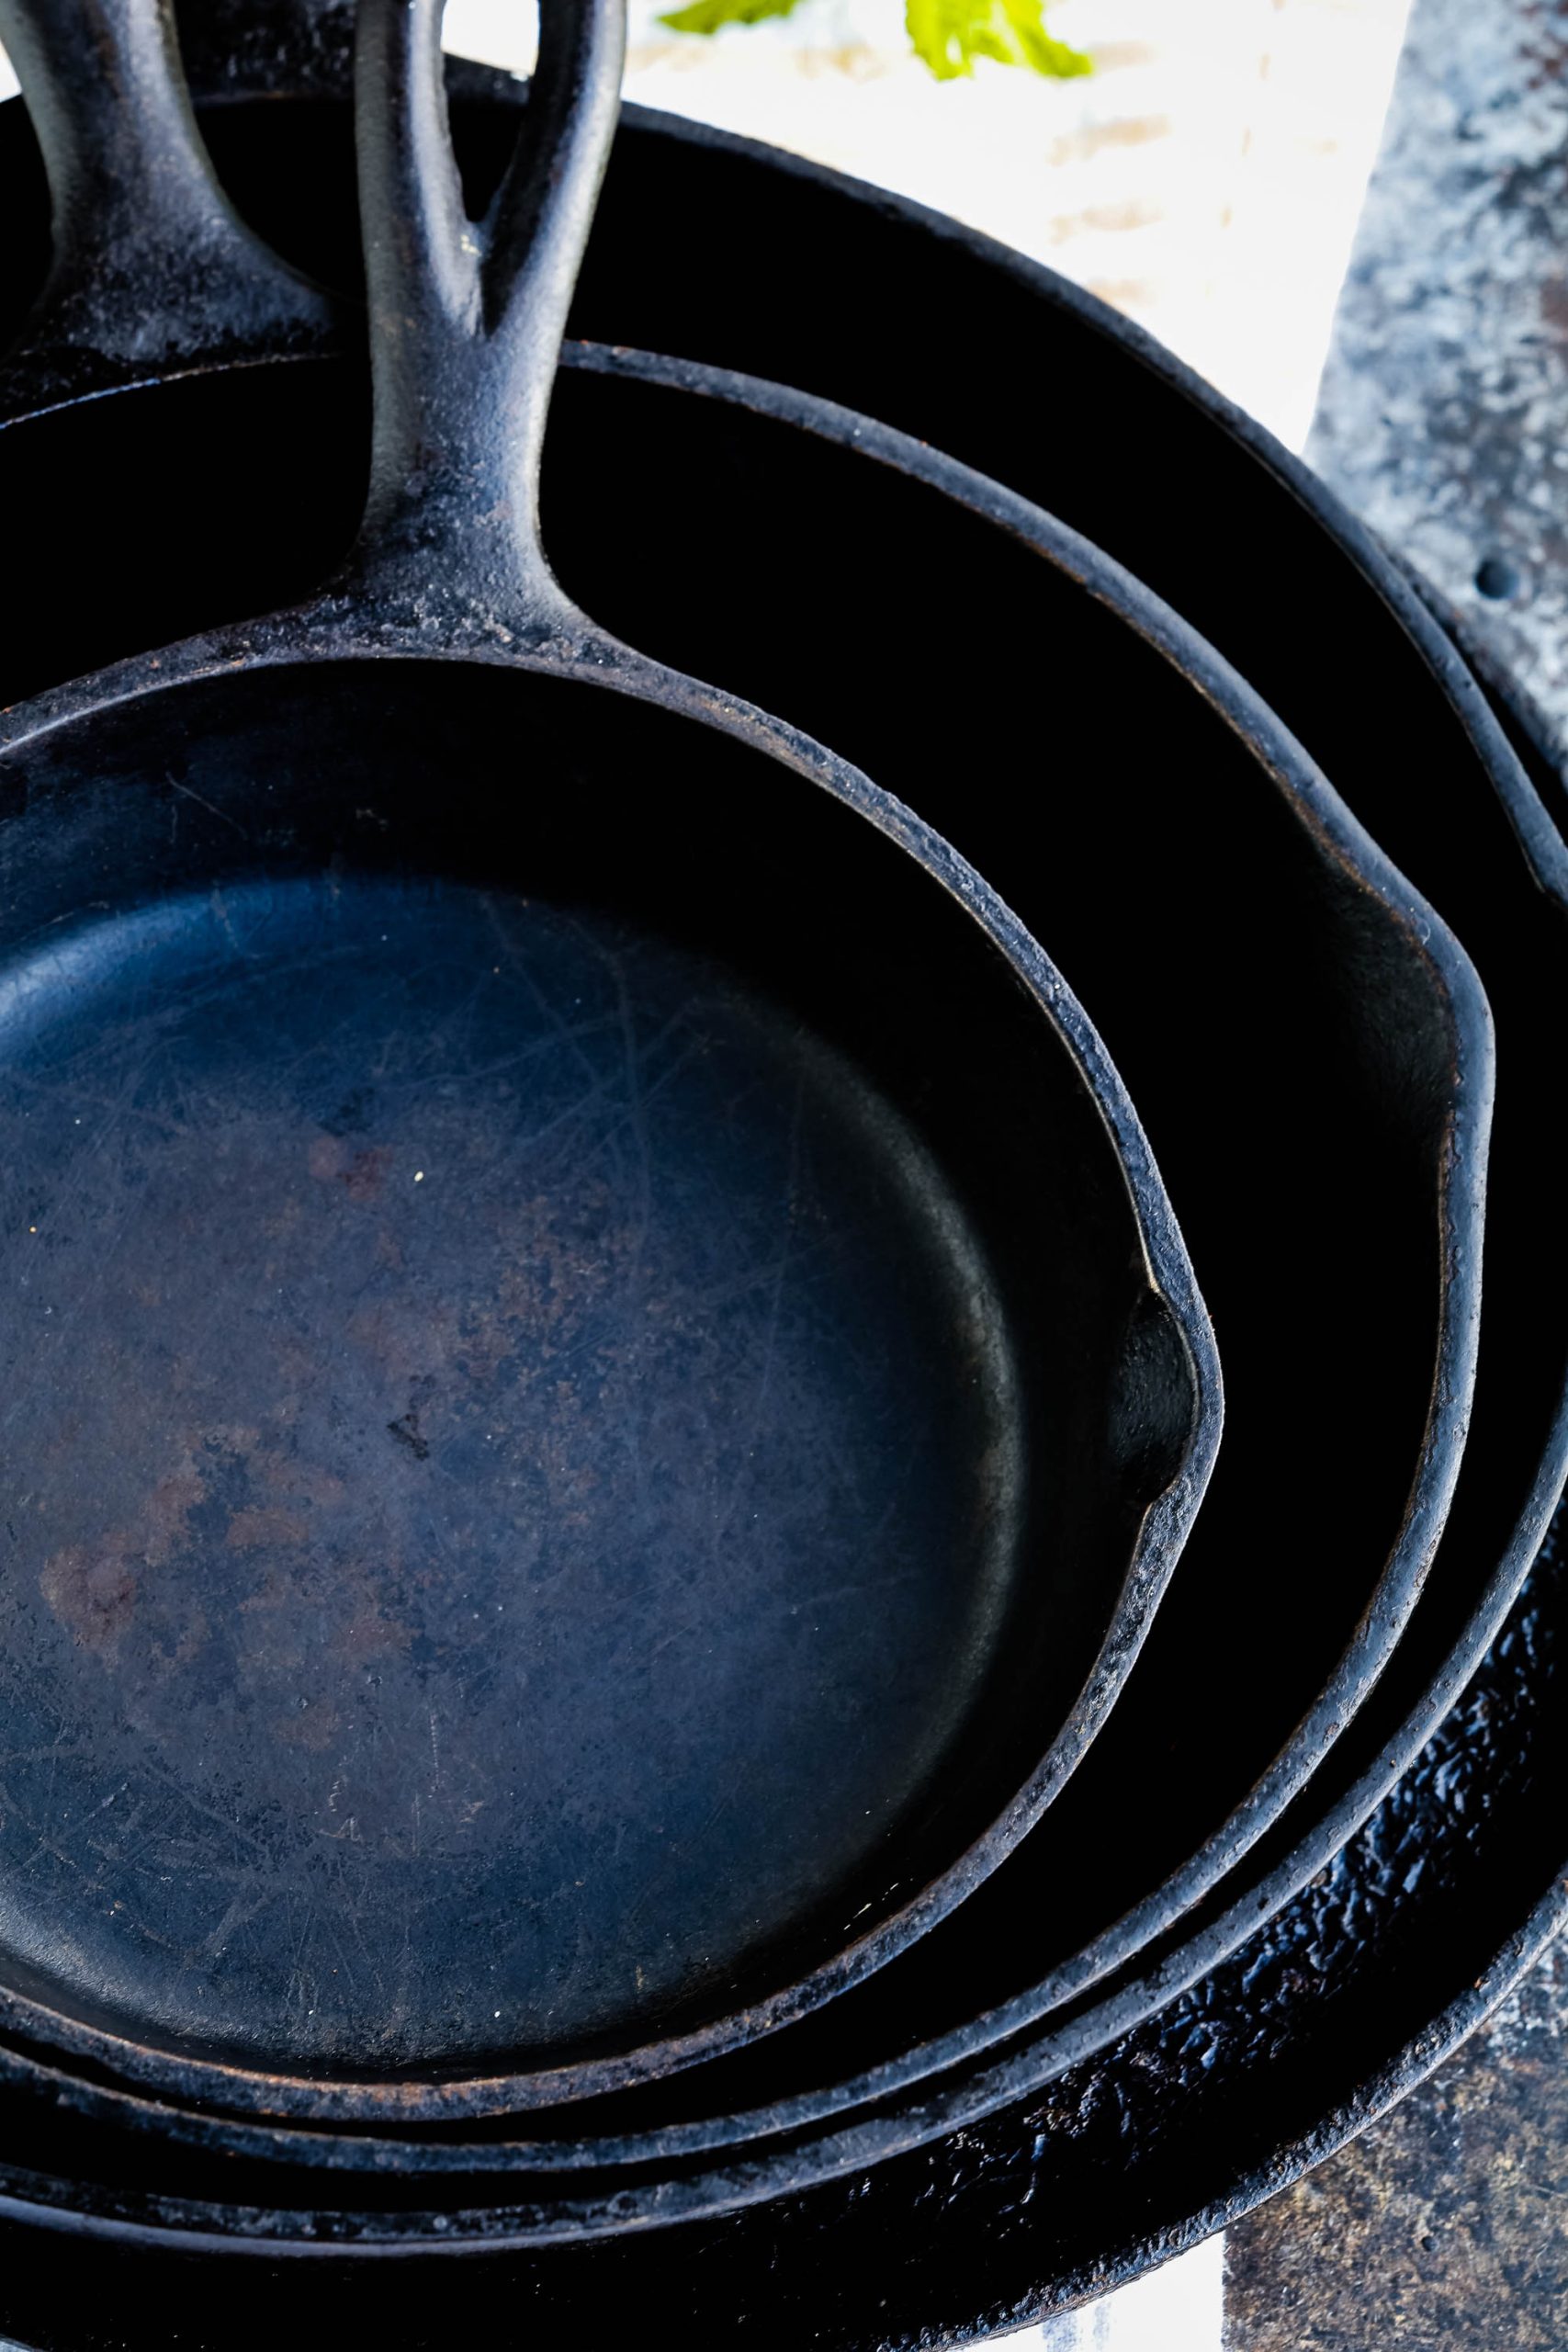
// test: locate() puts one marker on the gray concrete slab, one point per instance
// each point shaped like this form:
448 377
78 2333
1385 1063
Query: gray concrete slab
1443 412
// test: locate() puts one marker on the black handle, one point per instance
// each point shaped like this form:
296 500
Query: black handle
152 263
466 318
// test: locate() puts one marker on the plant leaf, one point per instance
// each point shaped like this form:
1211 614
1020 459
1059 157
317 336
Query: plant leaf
708 15
949 35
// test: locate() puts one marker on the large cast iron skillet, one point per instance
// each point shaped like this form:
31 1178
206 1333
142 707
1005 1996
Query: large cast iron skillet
512 1637
1310 1036
992 1952
1319 2020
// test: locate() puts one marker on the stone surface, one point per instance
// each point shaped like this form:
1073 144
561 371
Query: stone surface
1443 417
1445 2227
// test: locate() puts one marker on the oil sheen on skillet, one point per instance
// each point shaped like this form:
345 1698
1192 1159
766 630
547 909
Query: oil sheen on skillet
605 1383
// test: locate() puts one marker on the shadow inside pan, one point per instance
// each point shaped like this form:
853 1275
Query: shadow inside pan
556 1402
142 517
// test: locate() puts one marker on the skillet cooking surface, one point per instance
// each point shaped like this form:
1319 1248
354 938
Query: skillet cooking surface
531 1511
530 1174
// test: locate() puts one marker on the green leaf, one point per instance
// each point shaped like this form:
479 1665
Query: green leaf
708 15
950 34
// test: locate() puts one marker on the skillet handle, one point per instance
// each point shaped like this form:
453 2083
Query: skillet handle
466 318
151 263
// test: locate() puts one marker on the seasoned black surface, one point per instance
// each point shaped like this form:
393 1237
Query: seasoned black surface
532 1175
387 1114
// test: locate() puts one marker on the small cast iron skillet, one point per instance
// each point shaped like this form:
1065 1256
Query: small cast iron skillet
603 1383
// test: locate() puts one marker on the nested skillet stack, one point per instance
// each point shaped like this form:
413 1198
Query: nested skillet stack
815 562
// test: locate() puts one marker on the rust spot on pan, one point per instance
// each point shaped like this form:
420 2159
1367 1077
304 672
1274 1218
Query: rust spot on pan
92 1594
361 1172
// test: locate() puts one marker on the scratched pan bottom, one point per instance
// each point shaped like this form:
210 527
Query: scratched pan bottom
563 1455
498 1421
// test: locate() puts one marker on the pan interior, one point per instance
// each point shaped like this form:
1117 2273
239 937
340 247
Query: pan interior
525 1498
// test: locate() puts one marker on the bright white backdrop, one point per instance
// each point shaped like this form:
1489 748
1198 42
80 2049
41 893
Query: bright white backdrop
1206 177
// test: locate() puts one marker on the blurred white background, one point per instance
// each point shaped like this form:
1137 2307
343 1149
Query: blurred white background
1205 178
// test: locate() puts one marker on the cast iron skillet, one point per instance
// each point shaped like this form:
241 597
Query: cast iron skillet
538 1628
1357 1250
837 287
1324 2017
930 2012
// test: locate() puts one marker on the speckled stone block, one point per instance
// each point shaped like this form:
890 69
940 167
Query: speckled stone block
1443 420
1445 2227
1443 414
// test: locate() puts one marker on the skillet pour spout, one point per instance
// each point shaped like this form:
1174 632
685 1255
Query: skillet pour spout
607 1384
